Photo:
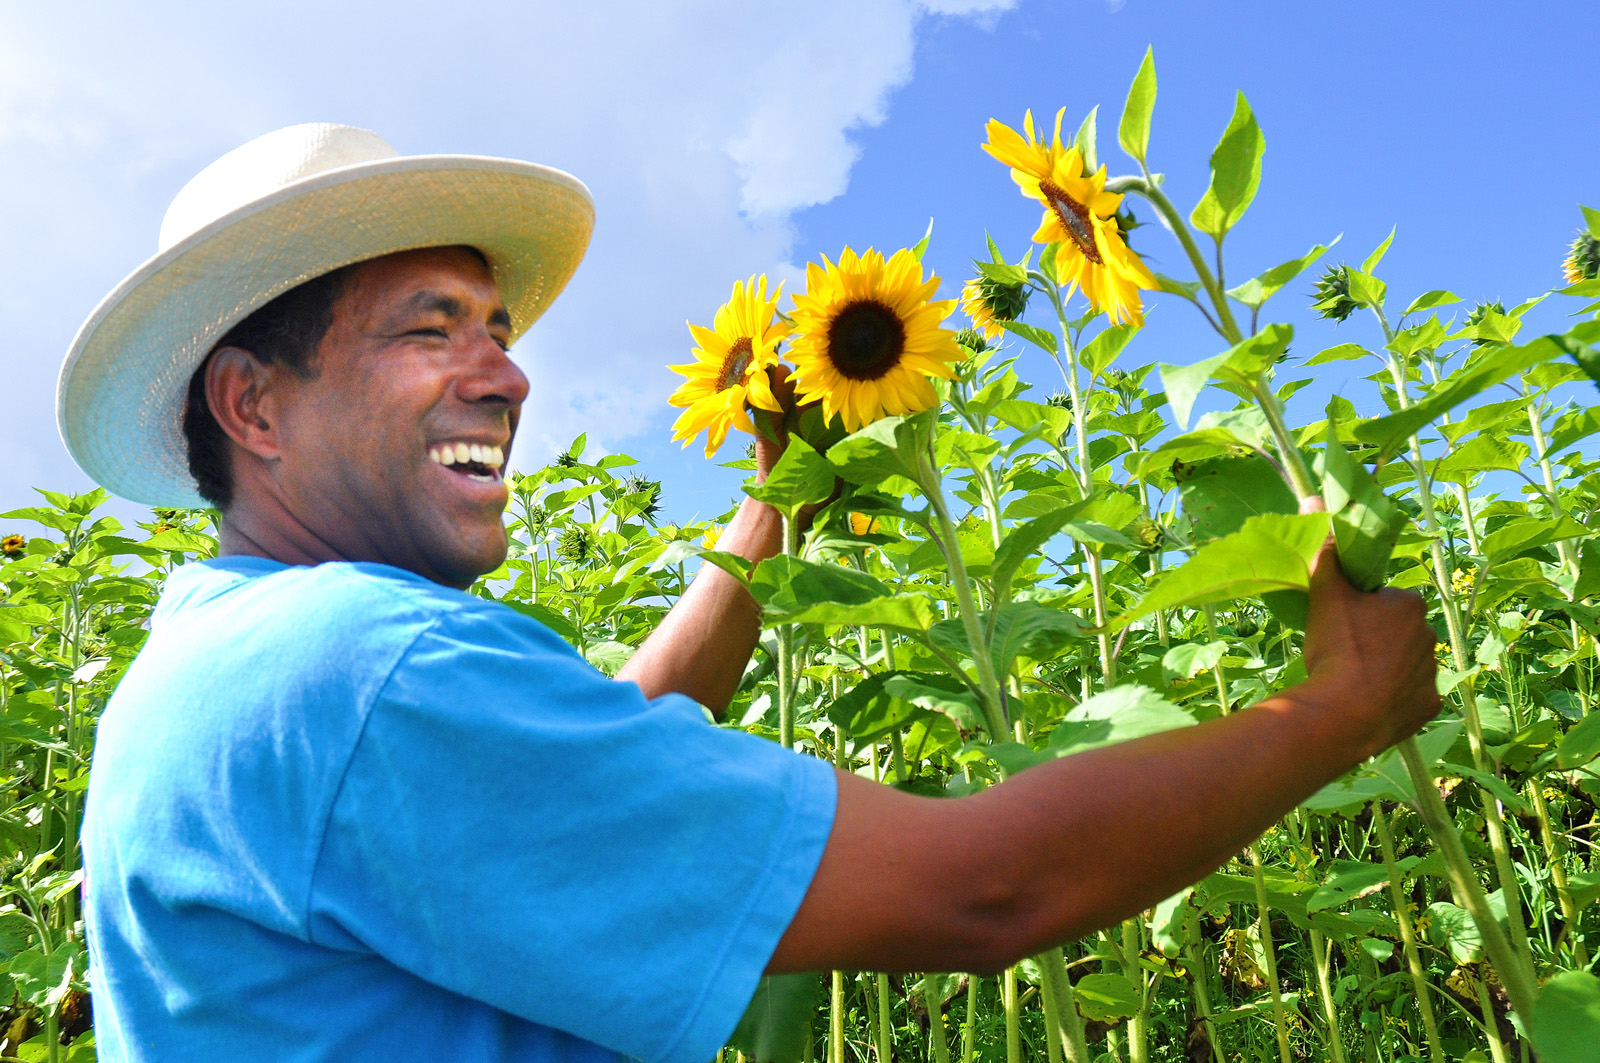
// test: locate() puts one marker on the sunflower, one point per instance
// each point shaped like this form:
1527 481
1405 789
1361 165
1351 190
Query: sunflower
1080 215
730 366
1583 259
869 337
989 302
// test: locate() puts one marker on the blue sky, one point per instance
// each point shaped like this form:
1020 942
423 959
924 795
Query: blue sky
726 139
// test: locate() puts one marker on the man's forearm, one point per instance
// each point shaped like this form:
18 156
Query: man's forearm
1062 849
703 645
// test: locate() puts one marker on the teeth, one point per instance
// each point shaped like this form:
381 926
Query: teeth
461 453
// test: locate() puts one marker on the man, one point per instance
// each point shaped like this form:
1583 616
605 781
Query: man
342 810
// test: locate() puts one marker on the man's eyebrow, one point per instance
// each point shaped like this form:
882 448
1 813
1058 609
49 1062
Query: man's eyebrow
450 307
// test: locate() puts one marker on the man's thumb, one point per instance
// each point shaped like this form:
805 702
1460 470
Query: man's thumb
1327 575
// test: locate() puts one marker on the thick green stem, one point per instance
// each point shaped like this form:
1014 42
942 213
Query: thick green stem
1013 1016
1053 1035
1515 974
885 1021
1138 1022
1294 463
969 1032
1202 996
1556 858
1330 1011
1058 988
1269 957
836 1019
1180 228
786 681
936 1037
982 659
1491 1024
1408 935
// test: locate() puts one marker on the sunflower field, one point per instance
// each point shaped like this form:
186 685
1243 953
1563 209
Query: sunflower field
982 573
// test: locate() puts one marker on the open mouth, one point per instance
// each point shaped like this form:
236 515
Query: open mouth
472 460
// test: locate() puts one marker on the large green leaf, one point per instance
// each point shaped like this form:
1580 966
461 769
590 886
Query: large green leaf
1220 494
1024 540
1581 744
1528 533
1481 453
1366 522
886 447
1347 880
1566 1018
1269 553
1496 364
777 1023
1259 289
1100 352
1183 384
1235 173
1116 715
800 478
1107 997
1385 777
867 711
1133 131
794 591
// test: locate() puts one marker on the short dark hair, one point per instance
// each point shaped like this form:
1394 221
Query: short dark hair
284 332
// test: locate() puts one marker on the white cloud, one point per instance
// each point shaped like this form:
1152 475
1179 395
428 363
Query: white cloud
700 127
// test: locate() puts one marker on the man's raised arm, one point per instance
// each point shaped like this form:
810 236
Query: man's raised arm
913 883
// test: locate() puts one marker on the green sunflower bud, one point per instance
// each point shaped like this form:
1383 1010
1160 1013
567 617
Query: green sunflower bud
1583 259
573 546
1332 297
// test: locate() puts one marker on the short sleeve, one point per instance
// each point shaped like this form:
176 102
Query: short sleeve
517 828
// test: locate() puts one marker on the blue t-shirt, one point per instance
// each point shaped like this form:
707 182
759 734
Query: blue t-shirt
343 813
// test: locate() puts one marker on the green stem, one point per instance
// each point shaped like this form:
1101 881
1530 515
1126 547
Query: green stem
1515 974
786 682
1330 1012
1138 1022
1294 463
885 1023
1556 858
941 1047
1013 1026
969 1033
1280 1018
1491 1025
1408 934
1058 988
1202 995
983 660
1053 1035
1180 228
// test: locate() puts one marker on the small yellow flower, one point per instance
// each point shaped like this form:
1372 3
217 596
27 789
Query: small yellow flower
868 337
13 546
713 533
1462 582
730 366
1080 216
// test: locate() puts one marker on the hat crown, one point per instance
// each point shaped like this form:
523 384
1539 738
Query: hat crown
262 166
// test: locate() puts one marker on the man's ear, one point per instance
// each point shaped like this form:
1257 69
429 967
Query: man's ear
241 392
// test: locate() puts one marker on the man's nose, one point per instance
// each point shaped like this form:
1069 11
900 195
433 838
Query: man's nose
493 376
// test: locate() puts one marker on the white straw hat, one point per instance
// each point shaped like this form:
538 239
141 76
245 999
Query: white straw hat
268 216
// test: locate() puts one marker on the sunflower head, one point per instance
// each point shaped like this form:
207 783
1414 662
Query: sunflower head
973 340
861 524
989 302
538 521
573 546
1080 216
1480 314
868 338
1583 258
730 366
651 489
1332 297
13 546
1060 400
713 533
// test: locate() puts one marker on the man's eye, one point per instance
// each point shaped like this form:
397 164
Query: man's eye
439 332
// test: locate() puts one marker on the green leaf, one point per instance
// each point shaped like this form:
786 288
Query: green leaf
936 693
1259 289
1424 337
1343 352
867 711
1566 1017
1571 427
1044 339
1030 629
1269 553
1365 288
1366 522
1591 218
43 980
1022 541
920 248
1377 255
1191 658
1171 921
1528 533
1133 131
886 447
777 1023
792 590
1024 416
1101 351
1347 880
1220 494
1107 997
1235 173
1480 454
1581 744
1184 383
800 478
1390 433
1386 778
1085 142
1116 715
1429 300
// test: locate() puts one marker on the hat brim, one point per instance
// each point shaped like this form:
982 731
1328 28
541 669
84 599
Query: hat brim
120 396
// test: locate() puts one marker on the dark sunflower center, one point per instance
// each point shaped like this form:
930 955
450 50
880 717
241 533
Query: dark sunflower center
734 365
1074 218
865 340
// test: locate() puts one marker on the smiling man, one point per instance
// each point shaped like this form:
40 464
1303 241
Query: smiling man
342 810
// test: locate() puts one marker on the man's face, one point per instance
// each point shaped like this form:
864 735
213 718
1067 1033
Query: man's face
411 378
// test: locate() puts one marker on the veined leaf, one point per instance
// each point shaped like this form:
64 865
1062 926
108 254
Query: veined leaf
1269 553
1366 522
1429 300
1341 353
1235 173
1376 257
884 448
800 478
1259 289
1044 339
1183 384
1101 351
1133 132
1566 1016
1220 494
1529 533
1117 715
777 1023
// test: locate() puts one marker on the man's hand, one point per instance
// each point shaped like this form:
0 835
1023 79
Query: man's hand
1371 654
768 452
